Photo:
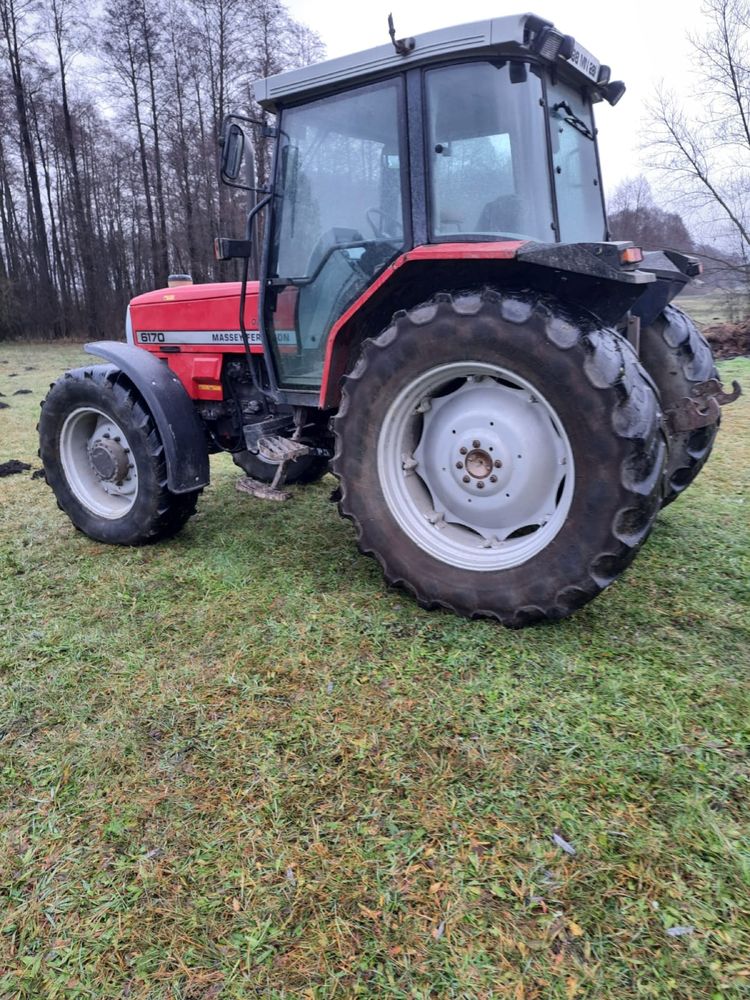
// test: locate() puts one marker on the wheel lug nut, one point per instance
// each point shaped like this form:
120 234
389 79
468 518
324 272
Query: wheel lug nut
498 464
459 465
493 479
480 486
476 444
467 479
463 450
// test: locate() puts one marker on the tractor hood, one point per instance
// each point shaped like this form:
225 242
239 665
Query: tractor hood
191 310
192 293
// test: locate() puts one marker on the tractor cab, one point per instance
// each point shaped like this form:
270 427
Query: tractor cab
477 134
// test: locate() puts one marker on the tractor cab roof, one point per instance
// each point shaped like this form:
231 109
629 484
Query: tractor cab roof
521 36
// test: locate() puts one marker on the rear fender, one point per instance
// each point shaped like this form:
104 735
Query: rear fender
180 428
410 279
579 275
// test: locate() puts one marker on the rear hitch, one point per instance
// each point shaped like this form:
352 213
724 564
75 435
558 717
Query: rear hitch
703 407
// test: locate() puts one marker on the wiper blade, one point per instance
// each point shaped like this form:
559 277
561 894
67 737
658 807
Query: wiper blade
572 119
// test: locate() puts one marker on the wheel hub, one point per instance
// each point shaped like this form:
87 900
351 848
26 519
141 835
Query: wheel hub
478 463
108 459
482 464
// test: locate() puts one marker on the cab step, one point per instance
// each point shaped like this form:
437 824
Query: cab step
278 449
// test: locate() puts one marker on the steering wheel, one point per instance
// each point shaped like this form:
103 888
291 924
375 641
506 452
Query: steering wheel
387 227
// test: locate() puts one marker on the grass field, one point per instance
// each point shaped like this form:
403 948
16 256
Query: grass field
716 307
236 765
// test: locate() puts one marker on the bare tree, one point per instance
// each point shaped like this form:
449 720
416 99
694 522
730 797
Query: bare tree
702 146
108 160
14 21
634 215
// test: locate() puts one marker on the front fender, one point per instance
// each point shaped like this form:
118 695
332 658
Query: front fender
180 428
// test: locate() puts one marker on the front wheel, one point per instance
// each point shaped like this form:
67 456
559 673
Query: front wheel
499 456
104 460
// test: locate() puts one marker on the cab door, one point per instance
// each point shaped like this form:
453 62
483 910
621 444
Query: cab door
338 219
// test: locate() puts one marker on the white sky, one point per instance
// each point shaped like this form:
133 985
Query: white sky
644 41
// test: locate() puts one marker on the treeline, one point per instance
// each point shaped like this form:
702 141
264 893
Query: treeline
635 215
109 118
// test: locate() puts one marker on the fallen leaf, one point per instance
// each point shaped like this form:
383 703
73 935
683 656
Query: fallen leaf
575 929
438 931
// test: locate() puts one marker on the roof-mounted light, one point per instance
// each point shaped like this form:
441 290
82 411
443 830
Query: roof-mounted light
604 74
613 91
547 43
568 47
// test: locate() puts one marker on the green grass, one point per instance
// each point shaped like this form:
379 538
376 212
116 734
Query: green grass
236 765
715 307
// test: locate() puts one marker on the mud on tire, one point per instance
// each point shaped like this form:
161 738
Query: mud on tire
601 408
677 357
87 402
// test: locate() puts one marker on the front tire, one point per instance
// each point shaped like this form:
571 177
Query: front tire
499 455
104 460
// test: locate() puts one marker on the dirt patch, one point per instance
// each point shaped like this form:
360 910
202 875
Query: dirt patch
13 467
729 340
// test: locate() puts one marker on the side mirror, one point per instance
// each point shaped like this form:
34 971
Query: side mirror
237 147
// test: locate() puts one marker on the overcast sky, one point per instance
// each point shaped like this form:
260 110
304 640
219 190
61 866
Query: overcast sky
644 41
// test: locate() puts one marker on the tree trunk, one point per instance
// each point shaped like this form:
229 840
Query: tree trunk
48 311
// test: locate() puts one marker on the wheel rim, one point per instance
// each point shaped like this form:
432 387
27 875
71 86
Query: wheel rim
98 463
475 466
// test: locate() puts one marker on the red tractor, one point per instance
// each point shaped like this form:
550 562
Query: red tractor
506 396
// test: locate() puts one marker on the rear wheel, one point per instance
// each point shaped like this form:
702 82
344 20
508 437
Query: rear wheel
499 456
678 357
104 460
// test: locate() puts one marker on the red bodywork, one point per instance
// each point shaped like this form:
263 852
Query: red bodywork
175 314
193 327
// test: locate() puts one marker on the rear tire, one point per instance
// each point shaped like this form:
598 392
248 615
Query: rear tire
104 460
678 357
565 406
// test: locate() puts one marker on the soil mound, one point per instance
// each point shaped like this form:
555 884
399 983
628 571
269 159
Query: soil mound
729 340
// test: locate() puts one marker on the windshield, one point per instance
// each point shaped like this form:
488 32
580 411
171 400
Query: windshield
487 152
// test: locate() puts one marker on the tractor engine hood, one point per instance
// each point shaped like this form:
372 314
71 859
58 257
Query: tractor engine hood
185 315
